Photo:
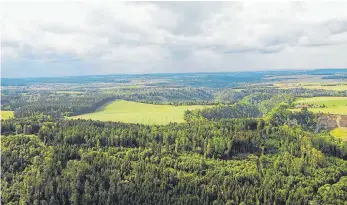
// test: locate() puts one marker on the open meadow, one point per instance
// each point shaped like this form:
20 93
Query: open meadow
134 112
340 132
332 105
68 92
322 86
6 114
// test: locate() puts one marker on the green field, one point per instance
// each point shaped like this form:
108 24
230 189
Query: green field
333 105
340 132
6 115
327 87
122 86
134 112
323 86
68 92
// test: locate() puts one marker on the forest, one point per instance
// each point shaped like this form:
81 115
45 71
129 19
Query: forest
246 148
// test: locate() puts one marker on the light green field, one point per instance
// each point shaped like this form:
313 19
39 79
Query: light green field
68 92
6 115
134 112
340 132
328 101
122 86
327 87
337 87
334 105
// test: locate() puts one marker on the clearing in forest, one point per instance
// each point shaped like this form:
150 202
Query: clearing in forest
340 132
332 105
134 112
6 114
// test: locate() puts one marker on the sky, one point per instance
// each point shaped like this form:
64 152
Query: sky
59 38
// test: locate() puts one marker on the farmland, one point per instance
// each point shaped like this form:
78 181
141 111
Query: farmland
68 92
323 86
333 105
340 132
6 114
134 112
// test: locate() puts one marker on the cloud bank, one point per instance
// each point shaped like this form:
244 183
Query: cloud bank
77 38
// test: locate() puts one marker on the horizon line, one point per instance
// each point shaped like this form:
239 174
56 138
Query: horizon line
170 73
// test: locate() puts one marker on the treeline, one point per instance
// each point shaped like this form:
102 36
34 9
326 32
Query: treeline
230 96
238 110
237 135
251 106
58 105
172 96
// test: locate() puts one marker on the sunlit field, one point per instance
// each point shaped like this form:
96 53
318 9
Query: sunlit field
333 87
134 112
333 105
6 114
340 132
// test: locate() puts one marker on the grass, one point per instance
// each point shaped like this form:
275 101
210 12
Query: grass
134 112
68 92
6 115
327 101
324 86
327 87
333 105
340 132
122 86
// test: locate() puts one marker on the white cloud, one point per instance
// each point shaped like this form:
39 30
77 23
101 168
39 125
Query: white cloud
137 37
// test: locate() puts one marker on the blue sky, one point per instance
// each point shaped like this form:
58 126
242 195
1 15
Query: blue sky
60 38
